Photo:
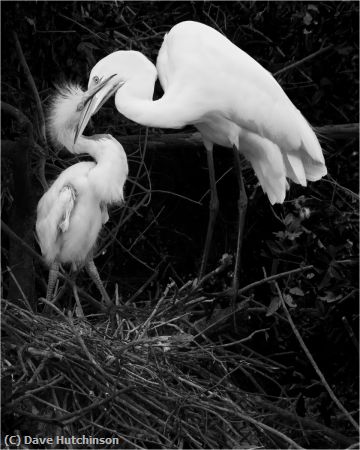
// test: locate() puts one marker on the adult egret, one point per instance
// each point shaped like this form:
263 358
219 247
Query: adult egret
71 213
229 97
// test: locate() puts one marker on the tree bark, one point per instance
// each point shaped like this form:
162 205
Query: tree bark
193 140
22 215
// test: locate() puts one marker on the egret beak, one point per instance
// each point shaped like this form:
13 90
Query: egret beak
92 101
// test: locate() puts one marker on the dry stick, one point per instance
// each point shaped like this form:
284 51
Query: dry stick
147 321
304 60
147 282
142 233
114 433
78 303
313 363
36 255
273 277
83 346
20 241
192 141
350 332
71 417
48 384
225 263
22 119
97 36
142 162
31 82
26 301
311 425
263 426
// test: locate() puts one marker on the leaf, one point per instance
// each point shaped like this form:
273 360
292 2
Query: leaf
344 51
307 19
274 306
279 234
289 219
312 7
30 21
296 291
294 235
330 297
289 301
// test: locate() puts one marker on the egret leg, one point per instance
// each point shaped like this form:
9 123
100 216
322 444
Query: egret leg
53 276
242 206
94 274
213 208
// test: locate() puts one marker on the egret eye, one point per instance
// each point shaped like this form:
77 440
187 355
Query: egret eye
96 79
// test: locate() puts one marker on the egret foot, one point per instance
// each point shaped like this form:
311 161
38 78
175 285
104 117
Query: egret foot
53 276
94 274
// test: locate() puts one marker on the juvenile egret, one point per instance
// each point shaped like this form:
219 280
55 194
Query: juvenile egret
71 213
229 97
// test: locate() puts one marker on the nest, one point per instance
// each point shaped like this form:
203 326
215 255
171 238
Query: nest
149 379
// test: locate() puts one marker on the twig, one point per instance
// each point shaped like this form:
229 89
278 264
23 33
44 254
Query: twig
225 263
26 301
42 131
82 26
312 425
78 303
32 85
20 241
20 117
147 282
303 61
191 141
273 277
32 252
83 346
142 233
261 425
350 332
340 131
68 418
313 363
145 325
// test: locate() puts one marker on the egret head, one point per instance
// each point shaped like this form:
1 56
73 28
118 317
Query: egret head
63 115
106 78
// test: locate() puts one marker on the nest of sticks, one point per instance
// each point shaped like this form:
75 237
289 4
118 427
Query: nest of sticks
150 377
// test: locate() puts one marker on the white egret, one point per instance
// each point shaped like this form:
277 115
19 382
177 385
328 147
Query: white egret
229 97
72 212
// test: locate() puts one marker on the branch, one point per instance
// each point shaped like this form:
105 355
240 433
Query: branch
31 82
303 61
20 117
17 239
313 363
192 140
341 131
9 149
310 425
27 126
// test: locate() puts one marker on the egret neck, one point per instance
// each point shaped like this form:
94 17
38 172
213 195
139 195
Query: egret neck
135 101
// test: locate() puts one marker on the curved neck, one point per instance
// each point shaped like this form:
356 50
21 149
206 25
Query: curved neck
134 101
84 144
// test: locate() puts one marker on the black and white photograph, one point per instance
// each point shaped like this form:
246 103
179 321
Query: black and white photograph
180 224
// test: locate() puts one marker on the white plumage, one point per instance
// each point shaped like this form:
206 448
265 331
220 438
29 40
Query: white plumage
229 97
71 213
232 100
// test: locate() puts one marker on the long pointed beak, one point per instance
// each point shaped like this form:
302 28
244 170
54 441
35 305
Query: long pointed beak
93 100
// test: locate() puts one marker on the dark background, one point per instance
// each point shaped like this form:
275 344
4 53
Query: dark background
159 234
